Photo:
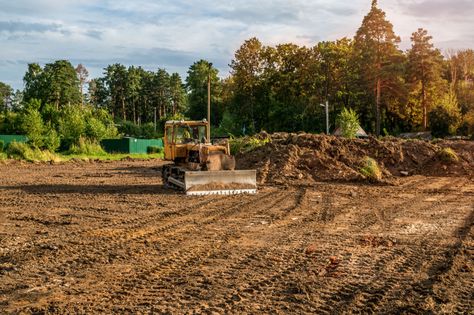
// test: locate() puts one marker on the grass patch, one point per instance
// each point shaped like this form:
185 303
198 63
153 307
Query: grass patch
85 152
22 151
86 147
246 144
370 169
111 157
448 155
154 149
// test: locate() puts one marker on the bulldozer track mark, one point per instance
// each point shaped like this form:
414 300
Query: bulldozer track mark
325 248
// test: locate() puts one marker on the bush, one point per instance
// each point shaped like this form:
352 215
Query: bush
95 129
467 126
2 145
246 144
72 124
23 151
99 126
146 130
32 125
443 122
447 155
86 147
370 169
20 150
51 140
348 122
10 123
153 149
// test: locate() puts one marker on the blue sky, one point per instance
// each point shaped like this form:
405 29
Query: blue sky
174 34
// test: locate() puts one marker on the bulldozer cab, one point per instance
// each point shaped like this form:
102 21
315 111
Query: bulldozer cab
179 134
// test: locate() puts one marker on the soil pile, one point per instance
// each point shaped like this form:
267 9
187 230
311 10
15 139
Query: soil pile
304 158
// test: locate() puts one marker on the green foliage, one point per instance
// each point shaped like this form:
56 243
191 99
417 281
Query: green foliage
2 145
196 84
227 127
56 84
86 147
445 118
72 124
348 122
424 76
32 125
447 155
247 144
95 129
370 169
154 149
10 123
18 150
51 140
378 60
84 122
6 92
23 151
146 131
136 95
467 125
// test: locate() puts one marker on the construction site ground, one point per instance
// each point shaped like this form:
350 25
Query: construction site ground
102 237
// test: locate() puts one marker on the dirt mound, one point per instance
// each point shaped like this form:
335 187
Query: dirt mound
304 158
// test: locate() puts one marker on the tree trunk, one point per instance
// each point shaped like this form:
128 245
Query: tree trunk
377 107
134 113
82 94
423 104
123 110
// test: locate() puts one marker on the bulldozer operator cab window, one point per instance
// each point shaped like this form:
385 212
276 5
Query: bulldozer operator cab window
169 134
186 134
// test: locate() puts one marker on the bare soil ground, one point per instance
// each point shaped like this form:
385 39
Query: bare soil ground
108 238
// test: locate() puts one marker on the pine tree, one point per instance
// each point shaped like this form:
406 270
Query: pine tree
378 57
424 68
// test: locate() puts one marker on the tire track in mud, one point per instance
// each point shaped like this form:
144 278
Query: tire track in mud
231 234
211 259
383 213
131 224
75 256
241 270
408 261
188 255
367 301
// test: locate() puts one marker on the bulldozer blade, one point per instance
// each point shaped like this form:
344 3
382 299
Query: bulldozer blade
220 182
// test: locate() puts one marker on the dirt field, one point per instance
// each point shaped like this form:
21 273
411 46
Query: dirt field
107 238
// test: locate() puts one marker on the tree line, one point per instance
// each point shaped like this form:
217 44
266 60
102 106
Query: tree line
280 88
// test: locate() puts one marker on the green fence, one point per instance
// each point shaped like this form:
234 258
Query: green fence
130 145
10 138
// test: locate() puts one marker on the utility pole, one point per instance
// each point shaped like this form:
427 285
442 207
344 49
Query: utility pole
209 103
155 118
326 107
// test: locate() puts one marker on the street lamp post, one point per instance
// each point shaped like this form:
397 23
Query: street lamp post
209 103
326 107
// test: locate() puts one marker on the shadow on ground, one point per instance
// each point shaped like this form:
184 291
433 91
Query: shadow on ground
92 189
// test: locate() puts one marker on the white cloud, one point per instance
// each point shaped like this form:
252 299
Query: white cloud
172 34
